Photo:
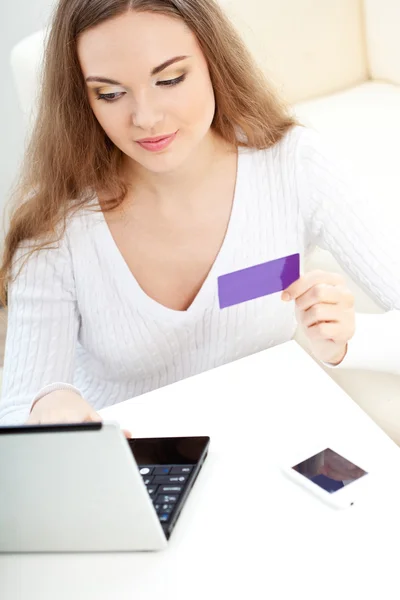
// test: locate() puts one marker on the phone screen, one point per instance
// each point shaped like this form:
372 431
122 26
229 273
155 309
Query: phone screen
329 470
168 451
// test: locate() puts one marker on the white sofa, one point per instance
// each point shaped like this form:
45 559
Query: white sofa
338 63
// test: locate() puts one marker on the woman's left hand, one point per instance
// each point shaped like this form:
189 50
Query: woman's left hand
325 309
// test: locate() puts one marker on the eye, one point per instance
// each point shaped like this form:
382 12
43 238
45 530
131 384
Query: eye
110 97
170 82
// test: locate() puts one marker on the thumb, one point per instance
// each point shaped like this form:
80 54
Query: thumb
92 416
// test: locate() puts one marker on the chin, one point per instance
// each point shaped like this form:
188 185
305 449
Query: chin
160 165
164 162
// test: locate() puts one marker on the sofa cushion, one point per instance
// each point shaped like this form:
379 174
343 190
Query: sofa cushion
307 48
362 124
382 22
378 394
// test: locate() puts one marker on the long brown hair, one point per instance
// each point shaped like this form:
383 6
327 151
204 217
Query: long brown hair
69 156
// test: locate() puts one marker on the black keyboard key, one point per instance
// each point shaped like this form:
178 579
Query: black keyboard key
165 508
164 517
147 480
146 470
167 499
177 479
181 470
161 479
170 489
152 489
161 470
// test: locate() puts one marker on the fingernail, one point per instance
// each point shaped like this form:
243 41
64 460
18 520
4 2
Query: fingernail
285 296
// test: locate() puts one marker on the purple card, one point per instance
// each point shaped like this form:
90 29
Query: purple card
257 281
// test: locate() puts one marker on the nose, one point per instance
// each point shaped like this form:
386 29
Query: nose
146 114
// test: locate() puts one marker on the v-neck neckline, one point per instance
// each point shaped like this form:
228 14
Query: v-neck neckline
206 294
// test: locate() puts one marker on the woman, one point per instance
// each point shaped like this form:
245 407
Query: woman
118 238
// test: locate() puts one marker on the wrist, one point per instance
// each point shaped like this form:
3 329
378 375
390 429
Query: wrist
51 397
53 389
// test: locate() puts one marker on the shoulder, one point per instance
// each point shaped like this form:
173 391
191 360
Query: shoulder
287 156
55 245
80 222
298 141
313 149
309 154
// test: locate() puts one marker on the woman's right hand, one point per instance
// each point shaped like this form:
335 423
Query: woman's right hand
62 406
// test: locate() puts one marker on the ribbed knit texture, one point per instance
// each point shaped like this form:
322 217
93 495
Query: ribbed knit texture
77 314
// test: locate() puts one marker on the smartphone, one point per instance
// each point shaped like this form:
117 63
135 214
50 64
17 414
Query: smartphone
329 476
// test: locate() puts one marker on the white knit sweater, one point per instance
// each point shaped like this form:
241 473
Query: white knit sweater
77 315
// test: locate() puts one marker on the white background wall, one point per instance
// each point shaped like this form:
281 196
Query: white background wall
18 18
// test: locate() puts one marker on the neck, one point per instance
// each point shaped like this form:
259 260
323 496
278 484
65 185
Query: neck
183 181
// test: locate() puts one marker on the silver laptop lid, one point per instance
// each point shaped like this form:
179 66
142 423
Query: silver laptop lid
73 488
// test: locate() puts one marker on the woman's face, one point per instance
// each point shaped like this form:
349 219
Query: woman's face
146 100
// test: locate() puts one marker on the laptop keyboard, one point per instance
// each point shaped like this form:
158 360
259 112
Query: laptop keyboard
165 485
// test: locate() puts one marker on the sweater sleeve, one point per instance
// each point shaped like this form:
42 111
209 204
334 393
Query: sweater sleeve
340 217
42 332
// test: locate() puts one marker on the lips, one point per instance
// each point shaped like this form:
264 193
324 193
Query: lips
157 143
155 139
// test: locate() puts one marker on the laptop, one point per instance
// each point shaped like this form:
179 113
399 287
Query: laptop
86 488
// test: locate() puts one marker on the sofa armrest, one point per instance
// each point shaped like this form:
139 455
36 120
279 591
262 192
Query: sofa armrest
382 30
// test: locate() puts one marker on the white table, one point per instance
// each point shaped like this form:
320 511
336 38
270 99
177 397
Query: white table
246 531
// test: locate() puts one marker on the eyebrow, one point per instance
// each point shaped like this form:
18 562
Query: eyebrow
155 71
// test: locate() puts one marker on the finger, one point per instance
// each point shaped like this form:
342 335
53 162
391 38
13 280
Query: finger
327 331
57 419
65 417
319 294
92 416
321 313
31 420
308 280
127 433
